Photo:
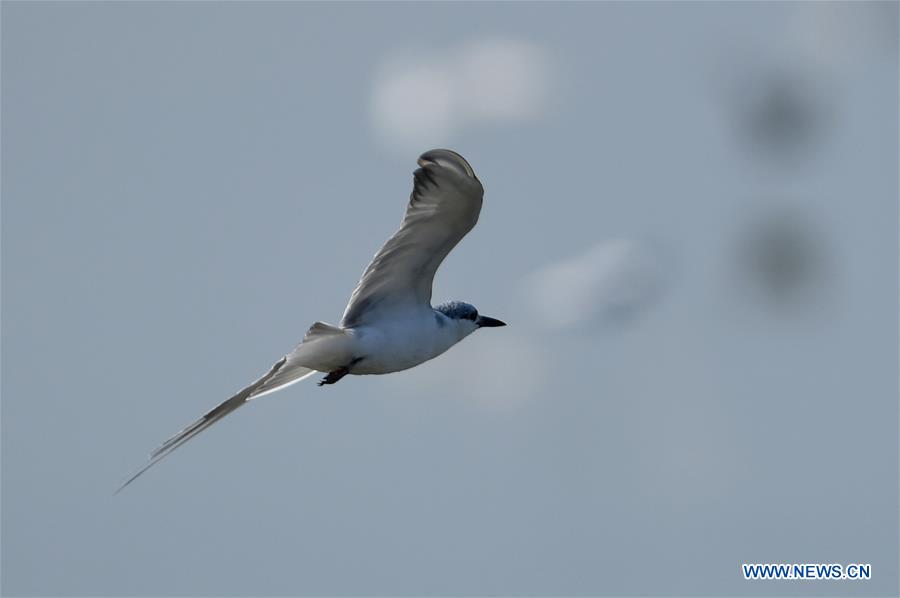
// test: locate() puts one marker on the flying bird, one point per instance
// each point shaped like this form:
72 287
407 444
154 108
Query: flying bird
389 324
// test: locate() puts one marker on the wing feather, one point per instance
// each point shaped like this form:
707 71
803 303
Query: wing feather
443 207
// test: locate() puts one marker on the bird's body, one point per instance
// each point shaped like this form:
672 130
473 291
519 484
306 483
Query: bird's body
401 343
389 345
389 324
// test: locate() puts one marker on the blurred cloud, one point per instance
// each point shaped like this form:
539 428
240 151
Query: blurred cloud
421 99
517 371
844 34
613 282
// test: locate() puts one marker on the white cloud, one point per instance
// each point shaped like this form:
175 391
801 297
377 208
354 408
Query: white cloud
412 104
501 81
612 281
421 100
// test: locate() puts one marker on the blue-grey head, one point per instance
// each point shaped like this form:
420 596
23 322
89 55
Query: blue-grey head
464 317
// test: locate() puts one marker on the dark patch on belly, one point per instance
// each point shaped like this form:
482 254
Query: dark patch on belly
353 362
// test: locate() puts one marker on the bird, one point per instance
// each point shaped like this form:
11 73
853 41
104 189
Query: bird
389 324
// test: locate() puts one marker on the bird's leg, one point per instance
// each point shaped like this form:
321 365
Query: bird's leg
334 376
339 373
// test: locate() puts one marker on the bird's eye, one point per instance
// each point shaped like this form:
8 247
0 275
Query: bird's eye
472 316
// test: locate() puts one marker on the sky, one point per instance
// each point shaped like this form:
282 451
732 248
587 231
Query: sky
690 225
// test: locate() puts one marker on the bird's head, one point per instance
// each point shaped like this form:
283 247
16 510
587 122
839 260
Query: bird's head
465 317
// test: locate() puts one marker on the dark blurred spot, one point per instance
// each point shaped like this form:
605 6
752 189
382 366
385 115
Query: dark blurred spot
782 117
784 258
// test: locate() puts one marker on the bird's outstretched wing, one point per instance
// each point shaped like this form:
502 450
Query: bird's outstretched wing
443 207
288 370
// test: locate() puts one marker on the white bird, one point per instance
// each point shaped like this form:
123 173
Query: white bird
389 324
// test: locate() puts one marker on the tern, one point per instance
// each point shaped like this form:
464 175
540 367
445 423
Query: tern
389 324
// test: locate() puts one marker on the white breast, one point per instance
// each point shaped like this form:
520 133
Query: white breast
401 343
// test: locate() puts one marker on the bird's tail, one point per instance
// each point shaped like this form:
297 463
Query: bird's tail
322 347
280 375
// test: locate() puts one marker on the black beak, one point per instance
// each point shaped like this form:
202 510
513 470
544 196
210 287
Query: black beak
486 322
